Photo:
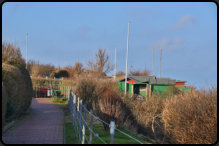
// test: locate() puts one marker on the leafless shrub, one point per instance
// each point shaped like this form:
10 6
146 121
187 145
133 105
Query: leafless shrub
192 117
147 113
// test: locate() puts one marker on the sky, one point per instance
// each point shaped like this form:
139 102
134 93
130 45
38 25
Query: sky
61 33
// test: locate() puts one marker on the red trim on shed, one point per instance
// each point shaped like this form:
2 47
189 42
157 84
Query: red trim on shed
131 81
180 83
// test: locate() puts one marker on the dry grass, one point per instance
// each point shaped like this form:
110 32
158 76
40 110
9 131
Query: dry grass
148 113
192 118
183 118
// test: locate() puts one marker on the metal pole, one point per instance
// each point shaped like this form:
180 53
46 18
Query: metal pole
160 60
91 127
112 131
153 61
127 60
115 67
26 50
83 115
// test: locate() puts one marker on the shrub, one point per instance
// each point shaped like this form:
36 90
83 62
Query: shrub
147 113
59 74
4 104
109 106
18 87
86 90
192 118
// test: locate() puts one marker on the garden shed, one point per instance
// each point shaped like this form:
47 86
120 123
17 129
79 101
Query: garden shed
146 85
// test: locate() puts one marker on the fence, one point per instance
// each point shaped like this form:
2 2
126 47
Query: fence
79 111
41 91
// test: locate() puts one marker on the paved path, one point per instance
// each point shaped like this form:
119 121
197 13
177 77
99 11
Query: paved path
44 125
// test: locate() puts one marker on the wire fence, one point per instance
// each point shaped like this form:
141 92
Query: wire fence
79 114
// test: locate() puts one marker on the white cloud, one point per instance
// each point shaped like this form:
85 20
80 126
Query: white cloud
184 21
168 43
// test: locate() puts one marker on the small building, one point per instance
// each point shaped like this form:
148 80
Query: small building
146 85
181 86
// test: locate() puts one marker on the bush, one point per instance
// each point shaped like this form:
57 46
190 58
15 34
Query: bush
86 89
192 118
4 104
59 74
147 113
18 87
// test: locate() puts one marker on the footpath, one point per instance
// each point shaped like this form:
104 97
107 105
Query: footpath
43 125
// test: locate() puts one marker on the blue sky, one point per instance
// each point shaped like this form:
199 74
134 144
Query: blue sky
62 33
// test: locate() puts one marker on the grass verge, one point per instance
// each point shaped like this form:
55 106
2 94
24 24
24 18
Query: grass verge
70 134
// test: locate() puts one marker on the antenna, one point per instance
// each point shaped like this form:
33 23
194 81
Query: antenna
160 60
127 59
153 61
26 50
115 67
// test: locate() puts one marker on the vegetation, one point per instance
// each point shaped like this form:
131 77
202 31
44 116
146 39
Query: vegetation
4 104
182 117
60 74
17 85
59 100
71 137
135 72
11 53
102 64
191 118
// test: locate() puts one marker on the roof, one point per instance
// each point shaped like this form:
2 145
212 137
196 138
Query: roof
163 81
140 78
151 80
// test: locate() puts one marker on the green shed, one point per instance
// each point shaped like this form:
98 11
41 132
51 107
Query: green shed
146 85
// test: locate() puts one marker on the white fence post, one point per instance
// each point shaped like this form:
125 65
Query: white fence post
91 127
78 120
82 130
112 131
74 112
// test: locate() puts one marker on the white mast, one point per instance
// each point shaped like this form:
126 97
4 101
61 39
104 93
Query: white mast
127 60
153 61
26 50
160 60
115 67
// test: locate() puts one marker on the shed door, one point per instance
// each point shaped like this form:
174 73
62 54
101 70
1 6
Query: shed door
136 89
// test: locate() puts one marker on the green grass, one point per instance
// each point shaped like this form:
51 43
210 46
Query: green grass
71 138
58 100
119 138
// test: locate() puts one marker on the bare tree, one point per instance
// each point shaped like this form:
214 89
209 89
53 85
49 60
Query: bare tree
102 65
120 73
78 68
134 72
11 53
35 70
